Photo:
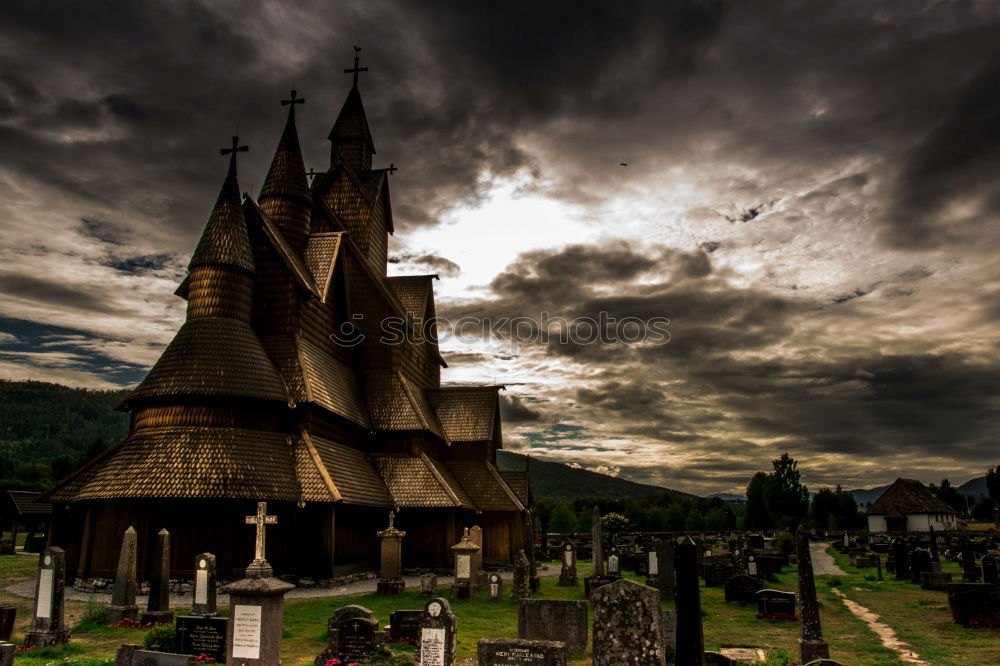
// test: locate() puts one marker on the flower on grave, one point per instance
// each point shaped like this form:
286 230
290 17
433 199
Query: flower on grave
204 659
332 662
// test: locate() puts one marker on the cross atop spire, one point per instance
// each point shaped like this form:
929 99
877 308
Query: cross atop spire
237 148
356 69
291 102
392 168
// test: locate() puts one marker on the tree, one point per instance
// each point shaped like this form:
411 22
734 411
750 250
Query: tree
824 508
757 516
847 510
993 484
983 510
950 495
563 519
786 499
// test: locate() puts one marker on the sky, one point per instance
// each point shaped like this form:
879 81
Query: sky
809 195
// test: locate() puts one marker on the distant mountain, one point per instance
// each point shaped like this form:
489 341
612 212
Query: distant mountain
553 480
866 495
974 488
729 497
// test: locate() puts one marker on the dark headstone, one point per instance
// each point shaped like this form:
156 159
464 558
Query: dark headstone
627 625
7 651
436 646
205 592
989 567
970 569
521 588
755 542
549 620
935 580
768 565
158 606
567 574
920 563
591 583
775 605
7 616
404 626
48 626
597 544
354 636
742 589
123 598
901 557
666 579
428 585
974 604
668 625
717 573
494 587
203 635
690 636
811 643
520 652
130 655
7 546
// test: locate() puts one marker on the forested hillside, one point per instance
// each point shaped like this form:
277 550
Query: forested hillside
47 430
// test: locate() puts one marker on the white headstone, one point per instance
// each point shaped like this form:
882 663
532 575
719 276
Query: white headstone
45 580
568 557
463 565
432 647
246 632
654 565
201 583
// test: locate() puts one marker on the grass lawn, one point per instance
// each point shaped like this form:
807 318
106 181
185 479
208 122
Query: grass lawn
919 617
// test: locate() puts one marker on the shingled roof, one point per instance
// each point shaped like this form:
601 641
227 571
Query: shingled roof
485 485
467 413
420 482
225 240
908 496
352 122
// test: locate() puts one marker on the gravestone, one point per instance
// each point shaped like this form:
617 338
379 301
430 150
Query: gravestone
494 585
627 625
811 643
437 635
920 562
742 589
990 570
354 636
775 605
520 652
690 635
553 620
597 544
390 579
428 585
652 565
614 571
666 580
522 572
158 606
717 573
205 594
970 569
463 587
134 655
8 614
824 662
203 635
7 651
752 568
48 626
878 563
768 565
974 604
404 626
123 598
901 558
567 574
668 625
256 605
755 542
935 580
478 575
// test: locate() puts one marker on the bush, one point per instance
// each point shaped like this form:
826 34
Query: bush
161 639
785 542
779 657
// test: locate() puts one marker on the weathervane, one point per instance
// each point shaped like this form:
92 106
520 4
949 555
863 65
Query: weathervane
356 69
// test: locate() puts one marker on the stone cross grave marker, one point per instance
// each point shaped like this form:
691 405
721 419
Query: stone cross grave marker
520 652
354 636
437 634
158 606
123 598
495 587
567 574
48 626
205 593
259 567
554 620
627 624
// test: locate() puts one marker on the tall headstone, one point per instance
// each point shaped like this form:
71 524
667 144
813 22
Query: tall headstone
991 572
920 563
902 558
567 574
123 598
934 546
878 563
521 587
256 606
390 575
597 540
7 616
534 581
554 620
690 636
478 575
464 586
628 627
437 634
811 643
158 606
353 637
48 626
666 579
205 594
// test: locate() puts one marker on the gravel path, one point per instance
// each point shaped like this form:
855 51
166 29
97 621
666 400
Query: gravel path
823 563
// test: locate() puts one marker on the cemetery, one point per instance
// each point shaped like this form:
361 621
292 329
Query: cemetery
723 598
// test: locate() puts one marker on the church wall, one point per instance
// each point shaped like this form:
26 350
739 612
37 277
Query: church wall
356 546
328 426
275 296
430 534
379 252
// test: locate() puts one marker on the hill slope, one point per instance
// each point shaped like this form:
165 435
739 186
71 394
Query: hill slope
553 480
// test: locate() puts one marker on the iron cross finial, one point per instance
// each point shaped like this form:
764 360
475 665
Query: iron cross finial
293 100
356 69
392 168
237 148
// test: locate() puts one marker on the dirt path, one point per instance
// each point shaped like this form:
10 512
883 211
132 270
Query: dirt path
823 562
883 631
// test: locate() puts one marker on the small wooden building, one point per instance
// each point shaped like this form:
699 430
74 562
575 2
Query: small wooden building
909 506
282 385
21 509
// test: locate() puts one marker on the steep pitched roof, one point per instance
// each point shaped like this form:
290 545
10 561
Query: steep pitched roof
352 122
225 240
286 177
420 482
212 356
485 485
908 496
25 503
395 403
467 413
332 384
293 262
321 258
413 292
519 482
345 474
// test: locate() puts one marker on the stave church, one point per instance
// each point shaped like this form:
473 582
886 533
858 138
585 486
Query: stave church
280 386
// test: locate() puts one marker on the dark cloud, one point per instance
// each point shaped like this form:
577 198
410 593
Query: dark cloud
55 293
514 410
